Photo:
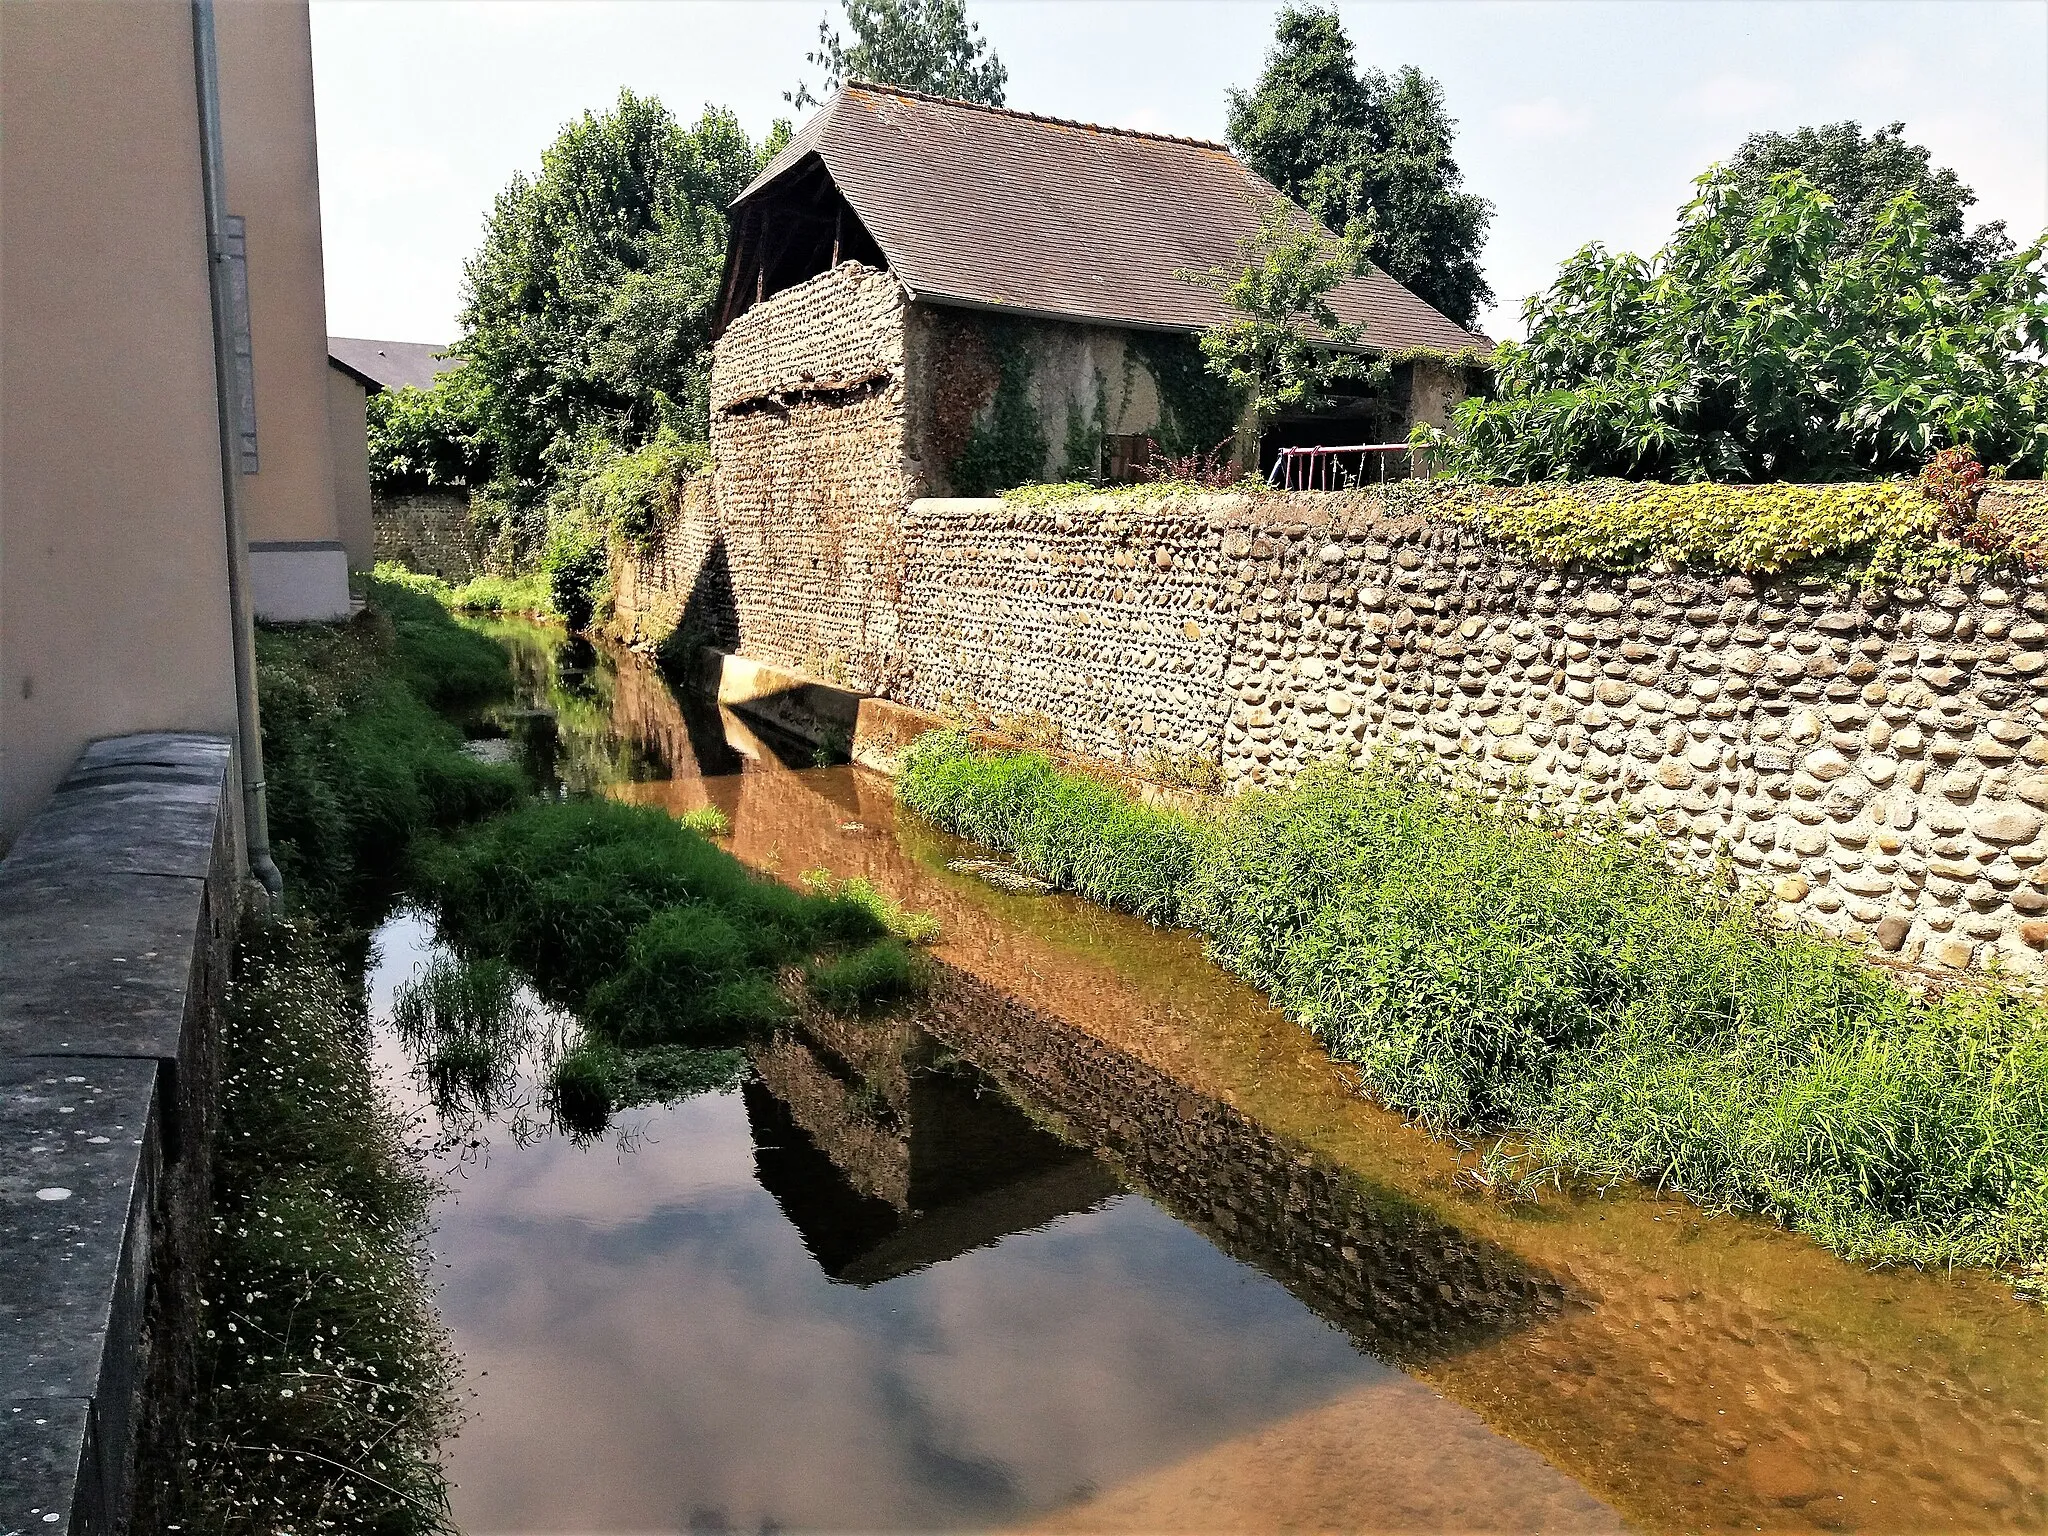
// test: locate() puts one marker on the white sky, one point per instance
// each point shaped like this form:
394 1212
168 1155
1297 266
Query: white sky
1581 119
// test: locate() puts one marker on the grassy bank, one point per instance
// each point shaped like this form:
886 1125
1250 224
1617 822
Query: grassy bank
359 753
1487 969
326 1380
654 937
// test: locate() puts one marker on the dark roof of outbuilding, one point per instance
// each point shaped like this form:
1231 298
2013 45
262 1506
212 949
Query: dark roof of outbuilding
390 364
989 208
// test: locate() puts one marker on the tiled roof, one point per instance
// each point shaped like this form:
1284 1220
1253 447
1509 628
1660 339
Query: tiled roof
996 209
391 364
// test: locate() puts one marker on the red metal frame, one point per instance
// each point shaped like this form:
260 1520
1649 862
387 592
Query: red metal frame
1322 468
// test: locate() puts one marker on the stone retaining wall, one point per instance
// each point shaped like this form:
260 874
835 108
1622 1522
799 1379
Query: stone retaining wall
118 906
428 531
808 428
1879 760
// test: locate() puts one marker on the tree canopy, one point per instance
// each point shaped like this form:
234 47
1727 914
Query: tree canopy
1863 174
1282 346
1366 149
925 45
1768 340
588 306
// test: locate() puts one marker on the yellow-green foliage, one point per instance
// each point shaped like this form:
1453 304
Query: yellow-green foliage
1885 528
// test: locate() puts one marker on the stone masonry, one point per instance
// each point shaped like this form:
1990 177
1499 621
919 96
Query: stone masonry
428 531
1878 760
808 425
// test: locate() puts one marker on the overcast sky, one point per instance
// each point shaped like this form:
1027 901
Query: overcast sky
1581 119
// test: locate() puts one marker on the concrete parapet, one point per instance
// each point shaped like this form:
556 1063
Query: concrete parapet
117 914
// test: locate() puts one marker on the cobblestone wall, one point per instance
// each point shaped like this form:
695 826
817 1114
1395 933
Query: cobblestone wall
808 433
1881 760
679 579
427 531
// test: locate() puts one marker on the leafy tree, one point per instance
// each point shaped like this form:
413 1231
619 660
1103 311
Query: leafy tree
926 45
1767 341
589 303
429 437
1864 175
1282 346
1372 150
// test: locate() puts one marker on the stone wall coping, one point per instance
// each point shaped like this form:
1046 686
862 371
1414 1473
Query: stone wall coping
112 935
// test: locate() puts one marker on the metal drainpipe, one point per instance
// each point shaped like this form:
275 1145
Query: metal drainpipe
255 810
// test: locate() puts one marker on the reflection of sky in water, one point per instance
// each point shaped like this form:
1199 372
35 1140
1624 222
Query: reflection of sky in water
652 1347
662 1350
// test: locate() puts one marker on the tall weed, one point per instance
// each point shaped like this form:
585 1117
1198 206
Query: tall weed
1485 965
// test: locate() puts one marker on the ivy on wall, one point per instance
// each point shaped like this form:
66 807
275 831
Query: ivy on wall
1085 434
1007 446
1197 410
1874 532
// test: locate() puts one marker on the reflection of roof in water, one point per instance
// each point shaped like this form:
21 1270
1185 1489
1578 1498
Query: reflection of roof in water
880 1189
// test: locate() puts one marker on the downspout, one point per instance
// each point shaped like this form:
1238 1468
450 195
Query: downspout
255 812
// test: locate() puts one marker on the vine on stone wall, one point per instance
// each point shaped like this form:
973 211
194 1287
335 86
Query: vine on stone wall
1085 435
1197 410
1007 446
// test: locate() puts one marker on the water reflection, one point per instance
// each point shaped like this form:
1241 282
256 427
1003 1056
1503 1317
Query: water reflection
650 1308
882 1298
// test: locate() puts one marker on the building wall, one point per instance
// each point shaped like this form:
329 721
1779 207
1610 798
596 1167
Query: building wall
348 436
273 182
113 587
428 531
809 430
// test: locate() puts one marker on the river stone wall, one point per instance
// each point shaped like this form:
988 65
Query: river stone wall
808 428
1879 760
428 531
678 579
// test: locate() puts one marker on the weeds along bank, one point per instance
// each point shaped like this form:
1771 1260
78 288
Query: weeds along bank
1485 967
326 1382
327 1378
1835 689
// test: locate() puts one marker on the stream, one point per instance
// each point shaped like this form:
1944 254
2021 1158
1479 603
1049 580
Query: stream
1096 1240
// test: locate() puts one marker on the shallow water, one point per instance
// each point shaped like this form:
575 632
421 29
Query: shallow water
1099 1241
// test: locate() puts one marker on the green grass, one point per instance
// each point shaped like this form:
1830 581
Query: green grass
525 595
636 922
327 1382
1485 967
359 756
867 979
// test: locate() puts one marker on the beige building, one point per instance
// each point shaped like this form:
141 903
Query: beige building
358 368
115 611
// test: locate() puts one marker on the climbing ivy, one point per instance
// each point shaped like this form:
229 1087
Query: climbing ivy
1007 446
1197 410
1085 435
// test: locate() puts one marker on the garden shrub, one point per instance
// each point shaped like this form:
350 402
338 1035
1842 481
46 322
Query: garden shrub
1487 966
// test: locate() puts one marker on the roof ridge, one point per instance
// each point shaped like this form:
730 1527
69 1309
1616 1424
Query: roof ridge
1033 117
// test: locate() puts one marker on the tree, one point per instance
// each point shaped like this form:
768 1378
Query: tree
1767 341
1371 150
429 437
1864 175
925 45
588 307
1282 346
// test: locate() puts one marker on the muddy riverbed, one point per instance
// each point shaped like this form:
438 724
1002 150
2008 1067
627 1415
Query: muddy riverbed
1095 1240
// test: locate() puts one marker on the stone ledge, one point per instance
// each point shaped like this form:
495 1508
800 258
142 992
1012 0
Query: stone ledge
117 910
